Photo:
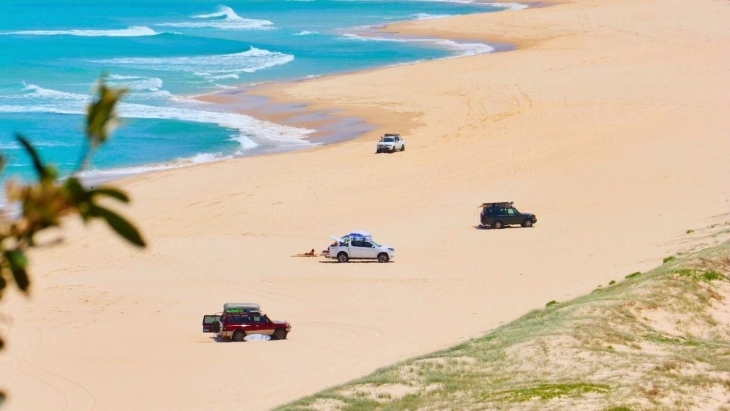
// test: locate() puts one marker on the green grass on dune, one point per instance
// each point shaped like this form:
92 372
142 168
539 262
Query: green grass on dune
653 341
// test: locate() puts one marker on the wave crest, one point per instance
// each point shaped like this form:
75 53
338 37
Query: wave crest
224 19
204 66
132 31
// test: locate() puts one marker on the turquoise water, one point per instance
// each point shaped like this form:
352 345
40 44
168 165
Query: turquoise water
167 51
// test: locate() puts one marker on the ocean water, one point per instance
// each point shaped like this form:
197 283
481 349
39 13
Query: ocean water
165 52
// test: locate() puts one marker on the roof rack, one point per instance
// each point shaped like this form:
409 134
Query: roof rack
240 307
497 204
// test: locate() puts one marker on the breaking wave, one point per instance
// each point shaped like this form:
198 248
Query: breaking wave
133 31
225 19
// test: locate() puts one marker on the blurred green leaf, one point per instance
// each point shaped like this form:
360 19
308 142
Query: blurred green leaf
80 197
100 114
110 192
17 263
119 224
44 172
75 190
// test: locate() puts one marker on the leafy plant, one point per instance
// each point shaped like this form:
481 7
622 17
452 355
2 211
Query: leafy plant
667 259
46 202
634 274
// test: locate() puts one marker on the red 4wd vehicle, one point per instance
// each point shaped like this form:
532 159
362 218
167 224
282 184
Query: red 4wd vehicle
241 319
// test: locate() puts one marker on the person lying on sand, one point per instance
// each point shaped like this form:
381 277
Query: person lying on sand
307 254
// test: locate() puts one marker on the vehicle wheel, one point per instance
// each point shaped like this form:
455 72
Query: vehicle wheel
216 326
383 258
497 225
527 223
279 334
342 257
238 336
403 147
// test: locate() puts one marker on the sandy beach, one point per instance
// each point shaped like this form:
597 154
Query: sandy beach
609 122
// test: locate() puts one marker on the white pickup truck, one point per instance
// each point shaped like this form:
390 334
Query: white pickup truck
358 245
390 143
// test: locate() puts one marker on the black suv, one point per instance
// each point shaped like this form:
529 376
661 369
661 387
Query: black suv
498 215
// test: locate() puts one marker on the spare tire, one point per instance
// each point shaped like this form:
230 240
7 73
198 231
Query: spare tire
216 326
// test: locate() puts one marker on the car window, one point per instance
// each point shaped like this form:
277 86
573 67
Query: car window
388 139
357 243
366 244
511 211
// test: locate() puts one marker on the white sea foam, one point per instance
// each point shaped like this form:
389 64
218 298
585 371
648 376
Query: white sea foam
140 88
305 32
36 143
511 6
132 31
43 100
35 92
462 49
135 82
204 66
244 142
224 19
425 16
247 131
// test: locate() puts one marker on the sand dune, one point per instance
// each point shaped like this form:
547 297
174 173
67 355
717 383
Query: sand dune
610 123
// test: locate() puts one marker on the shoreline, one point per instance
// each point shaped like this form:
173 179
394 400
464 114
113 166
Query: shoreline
259 103
329 127
596 124
265 102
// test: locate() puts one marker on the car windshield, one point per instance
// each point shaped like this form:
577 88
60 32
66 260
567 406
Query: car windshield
388 139
374 243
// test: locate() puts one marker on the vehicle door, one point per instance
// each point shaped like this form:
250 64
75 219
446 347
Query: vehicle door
266 326
255 324
357 250
234 322
369 250
398 143
513 216
208 321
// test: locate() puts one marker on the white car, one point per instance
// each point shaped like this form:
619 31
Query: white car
358 245
390 143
